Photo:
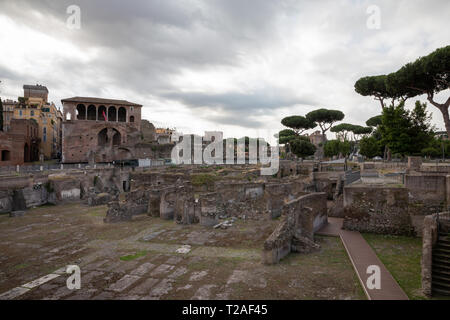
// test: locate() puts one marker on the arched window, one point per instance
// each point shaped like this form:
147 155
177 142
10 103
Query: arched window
81 112
92 113
117 138
112 114
103 137
122 114
101 114
132 119
6 155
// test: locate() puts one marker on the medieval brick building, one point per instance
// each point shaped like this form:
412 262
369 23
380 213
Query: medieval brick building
100 130
20 144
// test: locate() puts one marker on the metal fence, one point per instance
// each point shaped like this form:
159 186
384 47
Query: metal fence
33 168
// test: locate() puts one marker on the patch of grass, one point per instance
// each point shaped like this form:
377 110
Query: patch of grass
202 179
21 266
401 255
134 256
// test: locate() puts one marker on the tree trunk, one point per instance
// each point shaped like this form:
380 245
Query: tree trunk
443 107
446 120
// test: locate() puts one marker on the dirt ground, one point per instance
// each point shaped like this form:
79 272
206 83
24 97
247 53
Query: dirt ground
138 259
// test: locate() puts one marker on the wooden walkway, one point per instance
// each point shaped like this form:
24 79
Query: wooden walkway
362 256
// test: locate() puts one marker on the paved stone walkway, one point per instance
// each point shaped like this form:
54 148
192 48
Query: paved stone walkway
362 256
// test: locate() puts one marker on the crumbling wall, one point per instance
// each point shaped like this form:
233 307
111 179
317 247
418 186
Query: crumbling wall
427 192
377 209
295 233
429 239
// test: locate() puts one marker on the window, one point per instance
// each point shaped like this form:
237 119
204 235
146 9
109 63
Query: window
20 113
6 155
32 113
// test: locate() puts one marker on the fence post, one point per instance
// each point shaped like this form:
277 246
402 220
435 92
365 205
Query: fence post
18 168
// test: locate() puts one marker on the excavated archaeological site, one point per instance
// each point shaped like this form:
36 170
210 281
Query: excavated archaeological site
221 232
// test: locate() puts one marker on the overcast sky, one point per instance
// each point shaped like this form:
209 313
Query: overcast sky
238 66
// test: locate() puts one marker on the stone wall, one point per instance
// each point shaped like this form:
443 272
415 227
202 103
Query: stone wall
429 239
377 209
301 218
66 185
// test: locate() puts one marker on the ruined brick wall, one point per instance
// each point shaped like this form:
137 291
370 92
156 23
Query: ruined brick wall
84 141
377 209
20 144
301 218
428 193
429 239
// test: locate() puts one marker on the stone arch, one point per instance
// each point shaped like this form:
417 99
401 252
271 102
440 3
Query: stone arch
102 137
81 112
124 154
92 113
102 113
122 114
117 138
112 114
131 119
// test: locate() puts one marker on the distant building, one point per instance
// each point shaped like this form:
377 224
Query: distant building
100 130
318 140
164 136
8 113
34 105
21 143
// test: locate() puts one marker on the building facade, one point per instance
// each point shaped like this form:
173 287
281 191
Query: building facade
8 113
20 144
34 105
100 130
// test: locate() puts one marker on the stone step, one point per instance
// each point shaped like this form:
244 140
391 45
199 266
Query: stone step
441 291
441 278
440 284
444 240
440 266
441 249
441 270
443 245
441 255
444 261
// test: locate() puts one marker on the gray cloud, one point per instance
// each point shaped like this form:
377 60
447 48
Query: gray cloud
308 53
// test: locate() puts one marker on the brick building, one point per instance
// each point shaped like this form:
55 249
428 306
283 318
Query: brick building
20 144
100 130
34 105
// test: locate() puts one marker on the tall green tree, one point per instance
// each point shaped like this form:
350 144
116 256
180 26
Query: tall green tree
370 147
406 132
325 118
342 130
374 121
337 148
302 148
298 123
427 75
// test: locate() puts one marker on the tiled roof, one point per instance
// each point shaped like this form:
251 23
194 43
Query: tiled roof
88 100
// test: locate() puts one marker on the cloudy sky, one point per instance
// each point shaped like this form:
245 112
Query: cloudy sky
238 66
